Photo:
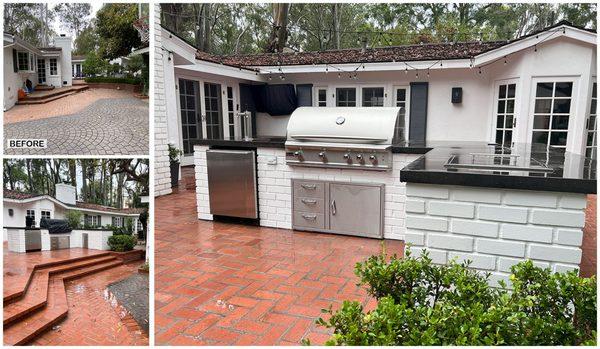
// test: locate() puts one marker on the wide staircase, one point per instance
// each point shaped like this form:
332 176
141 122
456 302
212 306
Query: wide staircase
43 303
45 94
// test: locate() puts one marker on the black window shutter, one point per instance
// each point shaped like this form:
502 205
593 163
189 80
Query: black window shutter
304 95
15 61
418 111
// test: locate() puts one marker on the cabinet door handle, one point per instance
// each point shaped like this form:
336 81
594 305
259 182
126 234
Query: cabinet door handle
309 217
333 208
308 202
309 186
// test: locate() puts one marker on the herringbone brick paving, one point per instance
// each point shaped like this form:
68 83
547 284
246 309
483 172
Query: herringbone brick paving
230 284
94 316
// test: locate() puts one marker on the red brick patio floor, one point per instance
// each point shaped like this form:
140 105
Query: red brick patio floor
230 284
94 317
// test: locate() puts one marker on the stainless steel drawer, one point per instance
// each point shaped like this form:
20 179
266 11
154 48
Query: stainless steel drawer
309 220
314 205
309 189
60 242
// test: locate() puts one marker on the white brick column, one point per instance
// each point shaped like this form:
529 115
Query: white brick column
201 173
495 228
162 172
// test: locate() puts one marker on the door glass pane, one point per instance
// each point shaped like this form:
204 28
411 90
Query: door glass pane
554 101
372 97
191 128
563 89
505 107
591 150
212 101
345 97
400 128
544 89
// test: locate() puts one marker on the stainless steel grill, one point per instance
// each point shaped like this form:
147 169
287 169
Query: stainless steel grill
339 137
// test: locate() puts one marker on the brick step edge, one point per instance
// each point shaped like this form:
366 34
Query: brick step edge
63 314
56 93
7 320
7 299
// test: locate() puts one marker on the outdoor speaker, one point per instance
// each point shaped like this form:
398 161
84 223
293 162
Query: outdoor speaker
457 95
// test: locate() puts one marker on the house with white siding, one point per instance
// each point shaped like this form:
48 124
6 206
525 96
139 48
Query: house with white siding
540 88
18 206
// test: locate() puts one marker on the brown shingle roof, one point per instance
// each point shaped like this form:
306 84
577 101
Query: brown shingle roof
406 53
89 206
50 49
17 195
77 58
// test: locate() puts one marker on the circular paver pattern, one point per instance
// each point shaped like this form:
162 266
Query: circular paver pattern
114 126
132 293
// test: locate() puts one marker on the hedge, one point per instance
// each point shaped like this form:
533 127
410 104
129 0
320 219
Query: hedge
121 243
113 80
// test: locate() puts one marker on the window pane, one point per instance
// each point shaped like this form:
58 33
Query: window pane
507 138
500 121
593 107
541 122
563 89
509 121
558 138
510 106
592 123
501 106
562 106
502 91
594 90
543 106
544 89
590 139
499 137
560 122
511 91
400 94
539 137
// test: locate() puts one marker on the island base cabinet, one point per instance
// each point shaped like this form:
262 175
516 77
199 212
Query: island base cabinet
348 208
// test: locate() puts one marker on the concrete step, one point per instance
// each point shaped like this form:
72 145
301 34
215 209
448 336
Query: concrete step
52 95
36 294
44 88
34 324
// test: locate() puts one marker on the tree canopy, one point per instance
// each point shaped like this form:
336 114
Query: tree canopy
114 25
100 181
229 28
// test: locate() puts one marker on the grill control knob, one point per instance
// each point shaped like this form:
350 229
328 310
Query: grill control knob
373 158
359 157
322 154
298 155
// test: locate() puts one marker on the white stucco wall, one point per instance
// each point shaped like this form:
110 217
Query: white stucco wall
66 79
13 81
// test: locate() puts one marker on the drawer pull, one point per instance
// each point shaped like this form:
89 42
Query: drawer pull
308 202
309 217
308 186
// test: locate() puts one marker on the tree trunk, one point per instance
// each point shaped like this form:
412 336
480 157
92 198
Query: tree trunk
278 37
73 174
29 176
337 16
84 189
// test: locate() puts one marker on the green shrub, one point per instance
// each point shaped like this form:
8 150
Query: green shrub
74 218
121 243
113 80
118 230
420 303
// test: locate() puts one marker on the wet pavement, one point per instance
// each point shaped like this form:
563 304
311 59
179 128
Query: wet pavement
95 317
132 294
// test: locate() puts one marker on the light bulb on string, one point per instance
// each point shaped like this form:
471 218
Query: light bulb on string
339 75
479 70
417 74
505 61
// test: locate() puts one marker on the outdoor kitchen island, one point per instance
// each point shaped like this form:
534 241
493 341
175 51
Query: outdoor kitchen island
491 205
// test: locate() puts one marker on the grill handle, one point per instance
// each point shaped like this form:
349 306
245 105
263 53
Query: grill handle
308 202
309 186
358 138
333 207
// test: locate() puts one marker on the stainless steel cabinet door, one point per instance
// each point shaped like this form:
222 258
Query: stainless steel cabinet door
232 183
356 209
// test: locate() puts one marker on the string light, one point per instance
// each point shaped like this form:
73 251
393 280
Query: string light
417 74
427 72
339 75
479 70
505 62
535 48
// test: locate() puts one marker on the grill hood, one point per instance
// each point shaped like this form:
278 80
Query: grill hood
352 127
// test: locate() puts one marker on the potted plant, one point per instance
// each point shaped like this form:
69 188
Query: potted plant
174 155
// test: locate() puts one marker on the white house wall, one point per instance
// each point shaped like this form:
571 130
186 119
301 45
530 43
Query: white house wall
13 81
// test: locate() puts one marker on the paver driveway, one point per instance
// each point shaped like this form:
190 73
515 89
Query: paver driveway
109 126
224 284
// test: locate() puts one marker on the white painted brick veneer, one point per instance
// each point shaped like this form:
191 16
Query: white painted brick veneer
162 173
506 227
275 190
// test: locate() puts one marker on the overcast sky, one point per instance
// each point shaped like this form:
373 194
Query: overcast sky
96 5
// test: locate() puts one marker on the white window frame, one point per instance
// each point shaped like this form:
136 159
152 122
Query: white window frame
592 128
357 94
30 61
572 112
362 87
50 66
395 89
518 96
35 224
117 221
45 211
316 90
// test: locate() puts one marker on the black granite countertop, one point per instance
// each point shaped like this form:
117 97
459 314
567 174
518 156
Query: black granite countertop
279 142
523 167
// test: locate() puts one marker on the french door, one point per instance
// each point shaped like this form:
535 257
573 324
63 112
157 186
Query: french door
190 113
41 68
505 113
213 110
